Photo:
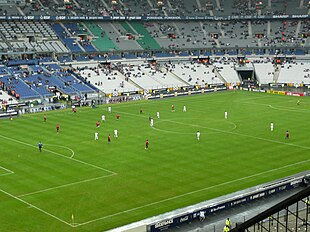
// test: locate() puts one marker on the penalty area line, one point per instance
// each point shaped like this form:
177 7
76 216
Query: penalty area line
55 145
37 208
9 172
58 154
65 185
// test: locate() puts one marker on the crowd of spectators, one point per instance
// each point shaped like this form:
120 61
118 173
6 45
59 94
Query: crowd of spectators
151 8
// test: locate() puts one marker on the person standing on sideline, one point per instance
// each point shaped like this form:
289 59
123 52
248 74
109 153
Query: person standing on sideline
271 126
184 108
146 144
40 145
198 135
225 115
157 114
109 139
96 135
226 229
228 223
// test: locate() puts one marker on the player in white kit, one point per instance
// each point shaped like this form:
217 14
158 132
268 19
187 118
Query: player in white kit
157 114
152 122
184 108
225 114
198 135
96 135
271 126
115 134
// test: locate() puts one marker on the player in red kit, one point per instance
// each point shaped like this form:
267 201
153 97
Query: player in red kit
146 144
44 118
172 108
57 128
109 139
97 124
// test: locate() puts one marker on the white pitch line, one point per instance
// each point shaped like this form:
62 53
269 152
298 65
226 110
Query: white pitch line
5 174
296 110
214 186
54 145
56 153
190 193
37 208
10 172
175 197
65 185
288 109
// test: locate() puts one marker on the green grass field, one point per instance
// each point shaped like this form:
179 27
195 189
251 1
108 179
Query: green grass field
109 185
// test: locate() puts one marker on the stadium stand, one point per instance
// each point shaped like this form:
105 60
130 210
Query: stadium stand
108 50
139 33
106 80
264 72
196 74
227 72
101 40
65 36
295 73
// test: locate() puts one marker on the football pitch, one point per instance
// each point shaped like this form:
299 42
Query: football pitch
78 183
